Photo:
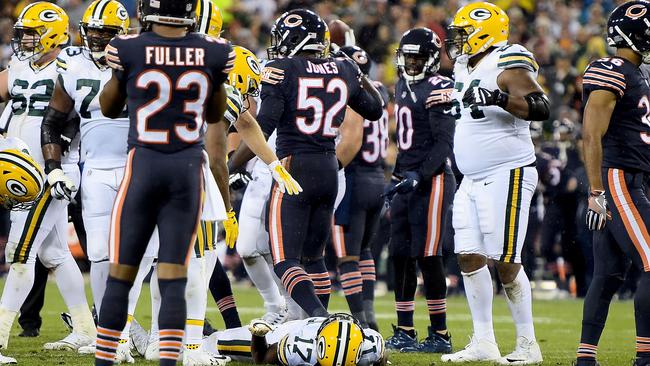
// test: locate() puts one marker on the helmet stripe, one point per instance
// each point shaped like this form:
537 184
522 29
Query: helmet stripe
99 9
22 13
346 339
205 16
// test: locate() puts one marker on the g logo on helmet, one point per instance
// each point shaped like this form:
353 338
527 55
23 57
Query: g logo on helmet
122 13
321 348
16 188
293 20
253 65
480 14
636 11
48 15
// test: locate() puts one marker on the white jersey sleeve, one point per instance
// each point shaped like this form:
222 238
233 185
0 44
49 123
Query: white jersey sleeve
516 56
298 347
373 348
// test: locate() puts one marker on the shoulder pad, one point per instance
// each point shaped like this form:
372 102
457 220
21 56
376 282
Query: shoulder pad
516 56
606 73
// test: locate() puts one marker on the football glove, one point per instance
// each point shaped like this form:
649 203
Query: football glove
234 104
284 180
408 183
238 181
231 227
259 327
480 97
597 213
63 188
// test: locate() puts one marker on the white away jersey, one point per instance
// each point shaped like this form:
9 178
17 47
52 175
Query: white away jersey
30 90
489 139
104 140
297 343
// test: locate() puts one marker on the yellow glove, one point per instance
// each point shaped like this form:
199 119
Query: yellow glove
284 180
232 229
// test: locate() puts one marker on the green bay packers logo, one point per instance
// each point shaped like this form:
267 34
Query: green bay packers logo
253 65
48 15
321 348
121 13
480 14
16 188
293 20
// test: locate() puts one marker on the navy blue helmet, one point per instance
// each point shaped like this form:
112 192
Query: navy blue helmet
423 45
629 27
298 30
168 12
359 56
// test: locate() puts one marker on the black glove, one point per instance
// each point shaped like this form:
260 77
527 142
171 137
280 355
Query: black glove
240 180
408 183
480 97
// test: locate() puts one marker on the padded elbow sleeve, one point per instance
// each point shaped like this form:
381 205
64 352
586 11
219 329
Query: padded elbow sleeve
52 126
539 107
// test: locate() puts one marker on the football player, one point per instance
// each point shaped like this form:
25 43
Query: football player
23 182
616 137
424 190
83 72
357 217
495 96
40 31
304 95
173 79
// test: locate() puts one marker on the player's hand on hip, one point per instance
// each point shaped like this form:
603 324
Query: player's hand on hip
409 181
231 227
285 181
239 180
597 214
480 97
259 327
62 187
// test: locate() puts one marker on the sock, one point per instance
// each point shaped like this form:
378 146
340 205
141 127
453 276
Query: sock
19 283
262 277
479 292
83 321
154 290
367 268
300 287
519 299
171 319
71 286
405 286
222 294
7 318
294 310
319 275
98 278
352 285
594 313
112 319
196 295
642 316
435 286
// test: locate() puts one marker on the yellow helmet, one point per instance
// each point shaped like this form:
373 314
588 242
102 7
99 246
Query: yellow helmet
21 180
475 28
103 20
41 27
340 341
246 74
208 18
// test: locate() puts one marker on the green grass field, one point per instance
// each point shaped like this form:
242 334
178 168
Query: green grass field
557 326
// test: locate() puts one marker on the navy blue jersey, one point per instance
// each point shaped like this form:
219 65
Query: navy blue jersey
305 100
375 137
168 82
626 144
418 120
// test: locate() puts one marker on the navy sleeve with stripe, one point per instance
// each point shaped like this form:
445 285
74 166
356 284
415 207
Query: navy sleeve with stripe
604 75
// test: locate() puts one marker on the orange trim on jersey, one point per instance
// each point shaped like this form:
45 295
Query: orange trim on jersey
640 236
116 216
433 222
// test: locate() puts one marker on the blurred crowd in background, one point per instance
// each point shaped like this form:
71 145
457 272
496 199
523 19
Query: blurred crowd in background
564 35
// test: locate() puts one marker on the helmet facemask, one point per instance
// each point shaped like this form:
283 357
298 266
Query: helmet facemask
457 41
96 38
415 66
26 43
639 43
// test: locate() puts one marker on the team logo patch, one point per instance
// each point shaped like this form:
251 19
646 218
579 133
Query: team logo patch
122 14
480 14
636 11
253 65
48 15
16 188
293 20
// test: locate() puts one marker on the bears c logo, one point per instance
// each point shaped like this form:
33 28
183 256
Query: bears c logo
636 11
360 58
48 15
293 20
480 14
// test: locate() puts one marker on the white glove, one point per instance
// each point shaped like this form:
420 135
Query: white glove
234 104
259 327
63 188
285 181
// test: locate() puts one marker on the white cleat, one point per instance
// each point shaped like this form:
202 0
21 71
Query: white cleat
476 350
526 352
4 360
87 350
152 353
201 357
278 318
123 354
139 338
72 342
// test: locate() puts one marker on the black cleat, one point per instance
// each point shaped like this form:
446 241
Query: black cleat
642 361
30 333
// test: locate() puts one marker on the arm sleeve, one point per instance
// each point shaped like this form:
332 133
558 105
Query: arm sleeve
272 98
365 99
442 129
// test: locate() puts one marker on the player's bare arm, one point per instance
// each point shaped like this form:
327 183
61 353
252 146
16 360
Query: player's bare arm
263 353
4 85
351 132
368 103
112 99
251 134
525 97
598 111
216 143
